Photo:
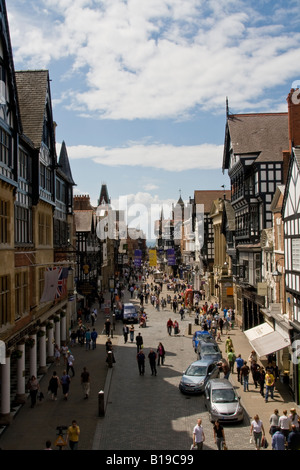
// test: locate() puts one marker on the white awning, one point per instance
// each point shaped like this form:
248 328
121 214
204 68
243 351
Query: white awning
265 340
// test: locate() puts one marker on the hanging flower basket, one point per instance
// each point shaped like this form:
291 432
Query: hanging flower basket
30 342
41 333
16 354
56 319
63 313
49 325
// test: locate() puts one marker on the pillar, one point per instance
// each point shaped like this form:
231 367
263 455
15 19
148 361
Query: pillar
63 326
21 395
50 342
57 333
5 416
42 351
33 357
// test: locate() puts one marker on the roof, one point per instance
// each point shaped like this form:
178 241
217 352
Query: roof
64 164
264 134
83 221
296 151
32 89
209 196
229 214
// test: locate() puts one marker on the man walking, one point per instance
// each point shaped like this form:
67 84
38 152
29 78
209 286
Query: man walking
152 360
245 370
85 382
141 362
94 336
139 342
198 435
270 381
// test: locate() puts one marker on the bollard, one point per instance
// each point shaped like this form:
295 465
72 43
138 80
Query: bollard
190 329
109 359
101 411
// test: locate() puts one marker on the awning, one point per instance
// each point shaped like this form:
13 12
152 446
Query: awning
265 340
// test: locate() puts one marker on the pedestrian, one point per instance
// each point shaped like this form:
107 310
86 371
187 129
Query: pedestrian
257 431
176 327
261 380
73 435
285 424
94 336
73 337
221 324
181 312
54 383
228 344
88 339
278 441
131 333
57 355
239 364
270 382
85 382
141 362
48 445
225 368
198 435
219 435
125 333
169 326
64 352
70 363
255 372
65 383
33 387
252 357
152 360
245 370
107 325
160 354
274 422
293 442
294 418
231 359
139 342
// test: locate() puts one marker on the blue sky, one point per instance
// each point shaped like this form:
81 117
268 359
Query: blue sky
139 86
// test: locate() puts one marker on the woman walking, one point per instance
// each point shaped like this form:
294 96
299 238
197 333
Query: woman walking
258 431
54 383
219 435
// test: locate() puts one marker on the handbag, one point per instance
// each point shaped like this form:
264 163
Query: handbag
225 447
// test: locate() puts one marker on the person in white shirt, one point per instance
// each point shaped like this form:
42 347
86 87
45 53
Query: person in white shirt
198 435
285 424
257 429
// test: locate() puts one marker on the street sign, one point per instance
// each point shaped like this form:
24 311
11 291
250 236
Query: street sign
60 442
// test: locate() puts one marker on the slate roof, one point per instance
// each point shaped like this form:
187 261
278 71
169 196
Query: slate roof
265 134
296 151
207 197
32 87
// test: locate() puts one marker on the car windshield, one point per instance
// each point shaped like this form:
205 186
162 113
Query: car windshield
130 310
223 396
210 349
196 370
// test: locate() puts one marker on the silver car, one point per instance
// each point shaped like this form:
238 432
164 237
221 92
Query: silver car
197 375
222 402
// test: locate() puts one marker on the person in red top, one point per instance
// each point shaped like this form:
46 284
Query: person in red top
169 326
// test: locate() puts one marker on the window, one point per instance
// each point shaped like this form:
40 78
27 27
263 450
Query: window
21 294
44 229
41 282
257 264
4 221
296 254
4 300
23 229
5 148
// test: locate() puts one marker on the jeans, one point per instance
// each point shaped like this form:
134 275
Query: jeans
246 383
269 389
220 441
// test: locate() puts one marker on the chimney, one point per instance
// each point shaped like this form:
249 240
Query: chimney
293 101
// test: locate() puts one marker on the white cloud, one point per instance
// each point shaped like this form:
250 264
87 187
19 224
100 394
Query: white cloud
165 157
144 59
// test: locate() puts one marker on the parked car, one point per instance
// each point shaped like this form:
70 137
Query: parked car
200 335
197 375
222 401
209 349
129 313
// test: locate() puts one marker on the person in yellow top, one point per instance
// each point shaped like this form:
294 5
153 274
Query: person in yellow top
270 381
73 435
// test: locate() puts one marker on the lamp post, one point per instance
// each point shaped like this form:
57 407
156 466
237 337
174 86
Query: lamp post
277 278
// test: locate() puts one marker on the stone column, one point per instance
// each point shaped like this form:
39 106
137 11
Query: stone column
57 332
50 342
21 395
33 357
63 325
5 416
43 356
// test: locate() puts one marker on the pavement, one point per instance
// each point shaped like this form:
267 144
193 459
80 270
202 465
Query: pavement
117 395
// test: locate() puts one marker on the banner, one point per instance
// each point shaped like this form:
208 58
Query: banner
55 284
152 258
137 258
171 257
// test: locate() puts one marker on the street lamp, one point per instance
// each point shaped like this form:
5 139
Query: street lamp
277 277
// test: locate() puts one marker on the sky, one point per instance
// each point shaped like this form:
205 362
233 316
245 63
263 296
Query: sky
139 87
